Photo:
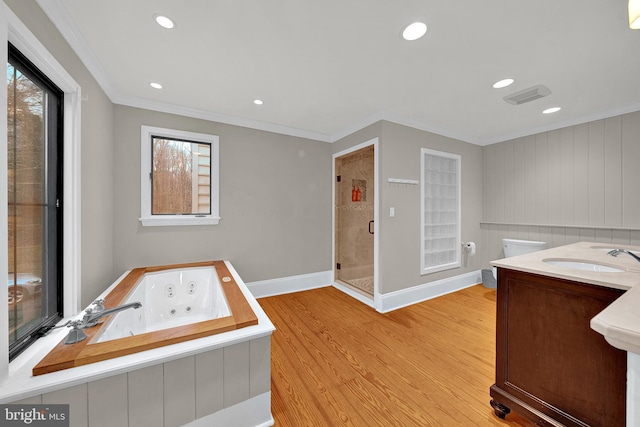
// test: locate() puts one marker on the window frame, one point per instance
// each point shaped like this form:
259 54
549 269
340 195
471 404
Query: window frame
15 32
456 244
146 147
53 129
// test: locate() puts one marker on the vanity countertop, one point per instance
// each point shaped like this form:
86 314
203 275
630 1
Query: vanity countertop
619 323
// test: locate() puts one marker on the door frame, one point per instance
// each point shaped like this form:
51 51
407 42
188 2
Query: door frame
375 302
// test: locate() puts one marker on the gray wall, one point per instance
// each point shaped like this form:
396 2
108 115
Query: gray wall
400 236
275 202
275 190
579 183
97 154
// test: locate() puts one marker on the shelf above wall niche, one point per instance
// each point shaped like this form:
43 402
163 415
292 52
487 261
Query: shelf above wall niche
403 181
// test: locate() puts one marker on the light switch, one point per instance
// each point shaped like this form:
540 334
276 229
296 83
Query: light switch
392 212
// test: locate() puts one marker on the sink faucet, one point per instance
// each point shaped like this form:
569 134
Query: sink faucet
616 252
91 317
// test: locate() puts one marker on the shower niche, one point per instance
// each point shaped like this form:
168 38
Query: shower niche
354 220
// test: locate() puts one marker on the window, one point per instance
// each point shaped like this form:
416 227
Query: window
34 190
179 179
440 211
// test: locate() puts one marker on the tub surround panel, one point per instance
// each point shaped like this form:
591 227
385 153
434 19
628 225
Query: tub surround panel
145 388
236 375
260 378
104 398
210 382
35 400
87 351
179 392
76 398
176 393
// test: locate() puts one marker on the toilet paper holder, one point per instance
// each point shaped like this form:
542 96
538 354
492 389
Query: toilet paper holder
469 248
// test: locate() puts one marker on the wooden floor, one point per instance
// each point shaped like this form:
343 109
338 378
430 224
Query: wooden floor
337 362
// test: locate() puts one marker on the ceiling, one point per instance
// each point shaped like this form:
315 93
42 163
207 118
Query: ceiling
327 68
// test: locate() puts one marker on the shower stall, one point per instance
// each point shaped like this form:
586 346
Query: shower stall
354 226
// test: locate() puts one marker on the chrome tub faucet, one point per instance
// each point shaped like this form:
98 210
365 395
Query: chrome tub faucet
92 316
90 319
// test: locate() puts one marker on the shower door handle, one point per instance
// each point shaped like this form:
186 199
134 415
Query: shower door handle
370 224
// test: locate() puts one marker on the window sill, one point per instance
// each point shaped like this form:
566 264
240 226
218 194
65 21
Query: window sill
170 220
441 267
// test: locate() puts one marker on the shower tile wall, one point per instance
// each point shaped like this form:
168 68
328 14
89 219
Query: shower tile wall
354 243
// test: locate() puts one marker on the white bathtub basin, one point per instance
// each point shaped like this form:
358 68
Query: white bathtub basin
170 298
583 265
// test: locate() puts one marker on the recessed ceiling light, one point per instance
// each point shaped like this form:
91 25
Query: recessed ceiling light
502 83
634 14
551 110
164 21
258 101
414 31
155 85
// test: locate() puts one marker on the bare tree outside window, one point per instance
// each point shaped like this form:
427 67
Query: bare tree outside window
181 177
34 123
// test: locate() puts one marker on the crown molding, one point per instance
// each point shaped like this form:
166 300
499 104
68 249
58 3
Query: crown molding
65 24
63 21
600 115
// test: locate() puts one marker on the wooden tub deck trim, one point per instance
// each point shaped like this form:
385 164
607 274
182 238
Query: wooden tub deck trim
68 356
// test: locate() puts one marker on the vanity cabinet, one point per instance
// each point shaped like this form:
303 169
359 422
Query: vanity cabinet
551 367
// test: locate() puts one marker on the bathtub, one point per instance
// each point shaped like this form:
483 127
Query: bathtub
221 378
169 298
179 303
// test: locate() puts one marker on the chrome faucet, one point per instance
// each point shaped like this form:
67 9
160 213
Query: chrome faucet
616 252
91 316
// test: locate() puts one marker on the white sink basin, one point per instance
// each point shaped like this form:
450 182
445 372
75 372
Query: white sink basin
583 265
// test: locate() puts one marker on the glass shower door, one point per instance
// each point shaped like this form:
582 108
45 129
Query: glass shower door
354 220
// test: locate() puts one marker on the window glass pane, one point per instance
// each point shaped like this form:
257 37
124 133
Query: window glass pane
26 169
34 123
181 177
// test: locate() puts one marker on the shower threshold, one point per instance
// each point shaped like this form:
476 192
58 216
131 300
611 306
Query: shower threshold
363 285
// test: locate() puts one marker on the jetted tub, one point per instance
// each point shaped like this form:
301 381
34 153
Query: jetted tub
179 303
169 299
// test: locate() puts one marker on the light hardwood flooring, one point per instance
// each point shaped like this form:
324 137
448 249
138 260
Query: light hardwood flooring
337 362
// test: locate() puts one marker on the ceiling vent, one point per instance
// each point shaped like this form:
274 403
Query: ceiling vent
527 95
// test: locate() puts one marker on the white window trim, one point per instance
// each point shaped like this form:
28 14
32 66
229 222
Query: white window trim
22 38
426 269
149 220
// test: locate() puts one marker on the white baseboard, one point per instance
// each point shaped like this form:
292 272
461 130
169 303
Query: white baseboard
395 300
254 412
287 285
386 302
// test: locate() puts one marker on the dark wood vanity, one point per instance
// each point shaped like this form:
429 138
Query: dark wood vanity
551 367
